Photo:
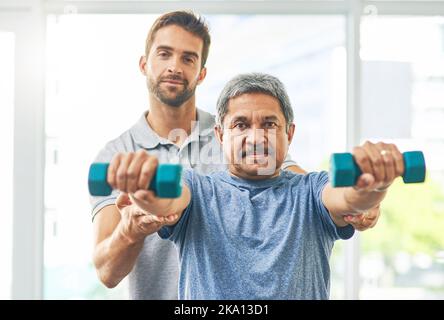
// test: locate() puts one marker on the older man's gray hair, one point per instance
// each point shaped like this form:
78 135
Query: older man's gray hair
254 83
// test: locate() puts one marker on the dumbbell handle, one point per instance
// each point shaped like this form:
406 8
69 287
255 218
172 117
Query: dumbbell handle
344 172
166 183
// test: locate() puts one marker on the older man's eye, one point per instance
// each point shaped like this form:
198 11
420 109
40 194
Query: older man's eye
270 125
240 126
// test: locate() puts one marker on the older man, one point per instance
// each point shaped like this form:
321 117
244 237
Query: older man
255 231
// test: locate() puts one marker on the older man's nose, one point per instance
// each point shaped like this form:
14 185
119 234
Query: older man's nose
256 136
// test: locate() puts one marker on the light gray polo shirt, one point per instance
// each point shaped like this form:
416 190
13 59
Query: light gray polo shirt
155 275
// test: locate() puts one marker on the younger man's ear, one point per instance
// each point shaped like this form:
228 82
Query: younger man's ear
142 65
202 75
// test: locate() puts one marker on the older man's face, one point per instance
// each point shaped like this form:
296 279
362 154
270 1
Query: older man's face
254 136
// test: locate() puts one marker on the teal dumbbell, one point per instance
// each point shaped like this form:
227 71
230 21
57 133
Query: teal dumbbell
344 171
166 183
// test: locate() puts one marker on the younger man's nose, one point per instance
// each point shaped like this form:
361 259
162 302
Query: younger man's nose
175 66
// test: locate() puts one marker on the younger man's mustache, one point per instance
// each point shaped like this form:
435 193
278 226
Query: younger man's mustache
174 78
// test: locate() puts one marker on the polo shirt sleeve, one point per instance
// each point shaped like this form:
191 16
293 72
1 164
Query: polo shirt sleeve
97 202
288 162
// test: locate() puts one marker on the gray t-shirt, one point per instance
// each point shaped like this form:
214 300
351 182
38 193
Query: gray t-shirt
243 239
155 275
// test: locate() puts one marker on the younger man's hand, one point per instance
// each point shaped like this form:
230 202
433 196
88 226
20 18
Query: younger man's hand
364 221
137 223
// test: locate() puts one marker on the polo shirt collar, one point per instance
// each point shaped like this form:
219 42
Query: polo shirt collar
145 137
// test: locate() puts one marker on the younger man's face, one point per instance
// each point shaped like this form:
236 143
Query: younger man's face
173 65
254 136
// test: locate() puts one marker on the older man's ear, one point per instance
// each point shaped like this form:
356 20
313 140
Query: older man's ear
219 133
290 132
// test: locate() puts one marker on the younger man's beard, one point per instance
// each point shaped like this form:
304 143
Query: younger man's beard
180 98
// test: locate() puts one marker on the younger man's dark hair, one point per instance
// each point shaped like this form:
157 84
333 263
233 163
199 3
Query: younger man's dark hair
186 20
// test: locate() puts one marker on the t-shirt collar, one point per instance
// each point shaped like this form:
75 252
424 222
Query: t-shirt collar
265 183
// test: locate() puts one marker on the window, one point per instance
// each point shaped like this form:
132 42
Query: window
403 84
95 92
6 160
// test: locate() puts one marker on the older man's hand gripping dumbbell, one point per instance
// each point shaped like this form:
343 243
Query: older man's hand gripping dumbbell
373 167
138 177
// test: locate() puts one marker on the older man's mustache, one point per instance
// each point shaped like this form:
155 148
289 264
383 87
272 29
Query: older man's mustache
257 150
